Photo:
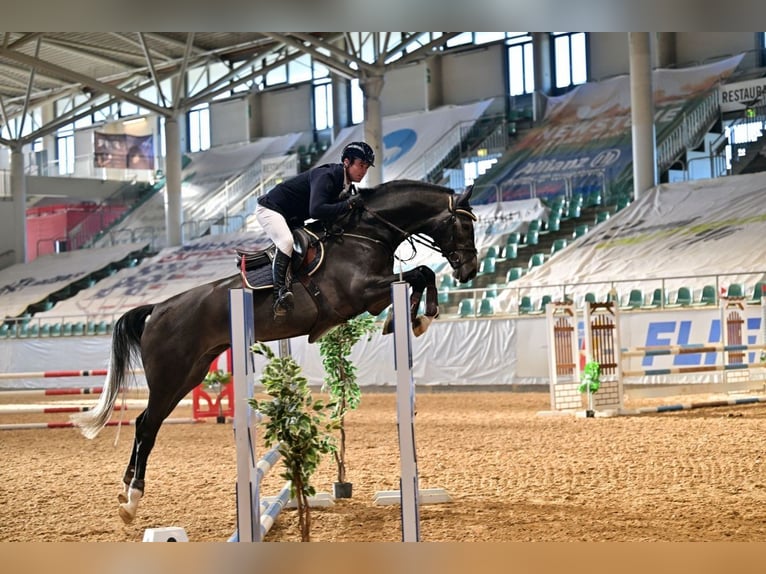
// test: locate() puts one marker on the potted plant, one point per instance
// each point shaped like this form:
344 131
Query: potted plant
340 382
300 425
214 382
591 381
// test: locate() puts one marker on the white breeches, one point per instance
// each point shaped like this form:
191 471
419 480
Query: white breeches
276 228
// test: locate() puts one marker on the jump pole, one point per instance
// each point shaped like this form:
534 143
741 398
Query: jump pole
243 370
405 412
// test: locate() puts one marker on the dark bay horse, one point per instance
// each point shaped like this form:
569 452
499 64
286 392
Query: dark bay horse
177 339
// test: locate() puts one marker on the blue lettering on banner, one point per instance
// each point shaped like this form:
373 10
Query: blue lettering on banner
670 333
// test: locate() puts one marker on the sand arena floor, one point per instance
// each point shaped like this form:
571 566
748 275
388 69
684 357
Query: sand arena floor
513 475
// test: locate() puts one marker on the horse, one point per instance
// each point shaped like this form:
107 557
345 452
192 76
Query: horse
177 339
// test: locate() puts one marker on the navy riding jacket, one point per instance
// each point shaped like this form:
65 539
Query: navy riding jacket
313 194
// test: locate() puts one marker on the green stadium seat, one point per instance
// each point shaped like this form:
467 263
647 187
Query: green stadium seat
601 217
513 237
525 305
707 297
531 238
735 290
447 282
683 298
656 301
536 260
635 299
486 307
558 245
544 300
465 308
514 273
755 298
580 230
487 266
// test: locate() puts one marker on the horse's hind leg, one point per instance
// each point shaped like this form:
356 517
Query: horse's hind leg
130 470
148 425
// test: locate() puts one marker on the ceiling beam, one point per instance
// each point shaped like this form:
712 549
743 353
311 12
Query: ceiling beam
78 78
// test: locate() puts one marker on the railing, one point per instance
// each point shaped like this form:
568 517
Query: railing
83 166
506 299
692 128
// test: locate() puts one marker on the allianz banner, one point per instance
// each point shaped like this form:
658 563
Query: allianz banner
123 151
584 143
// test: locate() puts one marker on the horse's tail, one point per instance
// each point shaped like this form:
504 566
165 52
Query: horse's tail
126 344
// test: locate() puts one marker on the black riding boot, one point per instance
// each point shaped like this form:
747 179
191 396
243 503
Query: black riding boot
283 297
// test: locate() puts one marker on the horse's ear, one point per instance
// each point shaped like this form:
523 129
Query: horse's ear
462 201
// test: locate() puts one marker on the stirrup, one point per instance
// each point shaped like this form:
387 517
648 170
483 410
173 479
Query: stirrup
284 303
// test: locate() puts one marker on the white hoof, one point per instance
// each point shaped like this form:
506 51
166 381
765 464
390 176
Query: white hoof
130 506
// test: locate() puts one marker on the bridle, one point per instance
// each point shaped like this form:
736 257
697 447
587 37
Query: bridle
452 255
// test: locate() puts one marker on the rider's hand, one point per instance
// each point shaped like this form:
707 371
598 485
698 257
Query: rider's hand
355 202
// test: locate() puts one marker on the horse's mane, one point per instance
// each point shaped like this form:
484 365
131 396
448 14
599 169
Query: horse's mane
399 185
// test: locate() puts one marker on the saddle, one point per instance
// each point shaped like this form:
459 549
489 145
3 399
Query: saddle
255 266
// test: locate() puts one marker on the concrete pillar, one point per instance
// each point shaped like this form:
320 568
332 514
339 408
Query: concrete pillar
173 207
541 53
642 113
19 195
372 86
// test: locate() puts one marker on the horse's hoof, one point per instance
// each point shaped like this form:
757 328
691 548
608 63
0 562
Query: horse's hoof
122 498
126 516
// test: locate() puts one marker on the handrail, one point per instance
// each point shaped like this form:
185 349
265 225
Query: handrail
692 127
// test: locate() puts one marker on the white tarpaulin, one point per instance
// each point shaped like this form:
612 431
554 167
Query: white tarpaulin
681 230
409 140
451 352
230 160
171 271
24 284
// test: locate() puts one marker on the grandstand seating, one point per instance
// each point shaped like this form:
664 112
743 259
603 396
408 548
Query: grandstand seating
466 309
756 297
514 273
683 298
580 230
635 300
708 296
735 290
535 260
525 305
656 301
486 307
558 245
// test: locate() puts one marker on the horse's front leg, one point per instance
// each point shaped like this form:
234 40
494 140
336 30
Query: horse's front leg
421 279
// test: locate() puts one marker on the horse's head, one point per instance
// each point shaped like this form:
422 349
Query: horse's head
405 209
456 240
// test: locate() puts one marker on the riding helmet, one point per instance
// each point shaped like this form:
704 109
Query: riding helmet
359 150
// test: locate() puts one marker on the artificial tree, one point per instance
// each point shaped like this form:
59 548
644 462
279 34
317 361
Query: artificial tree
298 424
340 382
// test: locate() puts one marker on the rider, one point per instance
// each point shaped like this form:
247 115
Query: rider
318 193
